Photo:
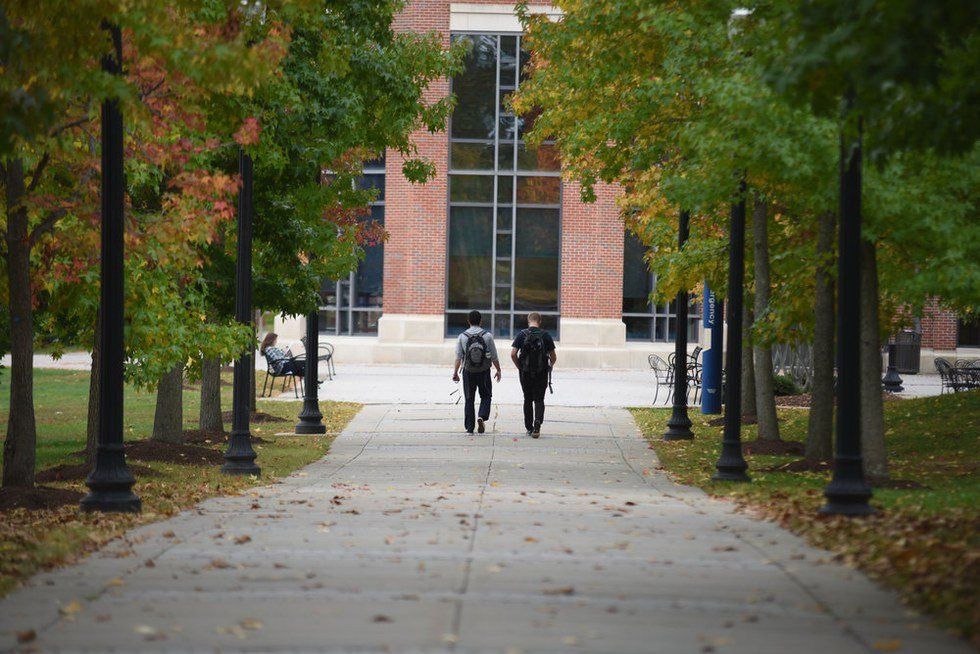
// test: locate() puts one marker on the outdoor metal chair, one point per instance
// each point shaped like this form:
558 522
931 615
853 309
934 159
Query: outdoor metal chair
285 372
325 354
953 379
663 374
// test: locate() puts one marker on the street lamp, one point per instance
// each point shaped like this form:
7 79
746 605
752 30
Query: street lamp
679 425
847 493
310 419
110 482
892 381
240 457
731 465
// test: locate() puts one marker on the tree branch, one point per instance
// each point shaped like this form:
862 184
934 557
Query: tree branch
45 226
38 170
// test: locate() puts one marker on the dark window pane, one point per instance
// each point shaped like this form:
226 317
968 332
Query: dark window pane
548 323
660 331
328 321
471 188
365 322
538 190
368 282
503 245
508 60
328 293
505 190
503 271
505 219
471 156
509 125
470 257
536 260
502 301
543 157
969 333
456 323
525 59
375 163
637 329
505 157
636 278
501 326
474 114
373 181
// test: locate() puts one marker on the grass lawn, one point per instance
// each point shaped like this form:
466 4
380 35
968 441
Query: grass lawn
34 539
925 539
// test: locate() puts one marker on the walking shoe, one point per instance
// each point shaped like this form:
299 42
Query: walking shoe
469 431
530 432
479 425
537 430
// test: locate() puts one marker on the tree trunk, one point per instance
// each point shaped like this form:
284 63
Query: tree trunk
872 411
820 429
748 369
210 417
168 421
92 432
765 394
19 448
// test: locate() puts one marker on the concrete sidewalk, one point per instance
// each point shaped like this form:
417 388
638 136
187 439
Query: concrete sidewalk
412 537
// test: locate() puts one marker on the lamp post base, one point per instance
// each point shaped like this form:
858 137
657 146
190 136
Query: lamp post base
240 457
111 484
847 493
892 381
311 421
730 474
678 428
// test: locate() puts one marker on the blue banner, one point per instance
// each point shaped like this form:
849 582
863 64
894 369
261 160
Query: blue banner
711 359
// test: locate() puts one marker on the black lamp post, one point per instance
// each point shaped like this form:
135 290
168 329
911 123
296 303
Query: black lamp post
892 381
310 418
240 457
731 465
110 483
847 493
679 425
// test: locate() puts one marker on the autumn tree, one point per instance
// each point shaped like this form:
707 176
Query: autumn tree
350 88
50 91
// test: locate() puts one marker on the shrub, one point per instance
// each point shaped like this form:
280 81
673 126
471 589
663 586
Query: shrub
785 385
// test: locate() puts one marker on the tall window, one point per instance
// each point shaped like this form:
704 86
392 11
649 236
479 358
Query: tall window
968 332
504 198
352 305
646 320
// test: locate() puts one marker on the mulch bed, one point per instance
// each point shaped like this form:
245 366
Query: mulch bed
255 416
198 437
800 465
746 420
79 471
803 400
39 497
193 455
779 448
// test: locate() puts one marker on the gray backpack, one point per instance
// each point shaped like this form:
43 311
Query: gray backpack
475 355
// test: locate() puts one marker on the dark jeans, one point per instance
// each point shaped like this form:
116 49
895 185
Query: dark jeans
534 387
473 381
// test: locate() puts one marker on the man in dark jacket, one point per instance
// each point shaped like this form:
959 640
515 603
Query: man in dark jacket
533 352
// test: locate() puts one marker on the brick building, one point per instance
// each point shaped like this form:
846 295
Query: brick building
499 231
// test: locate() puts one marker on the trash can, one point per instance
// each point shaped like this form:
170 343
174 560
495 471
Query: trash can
908 344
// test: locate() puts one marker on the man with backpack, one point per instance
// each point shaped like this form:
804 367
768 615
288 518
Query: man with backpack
476 352
533 352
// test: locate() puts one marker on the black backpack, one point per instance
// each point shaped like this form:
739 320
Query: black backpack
533 358
475 356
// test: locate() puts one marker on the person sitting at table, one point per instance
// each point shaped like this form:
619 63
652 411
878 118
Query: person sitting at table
282 361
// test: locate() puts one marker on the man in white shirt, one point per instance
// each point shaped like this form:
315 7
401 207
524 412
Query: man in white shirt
476 353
